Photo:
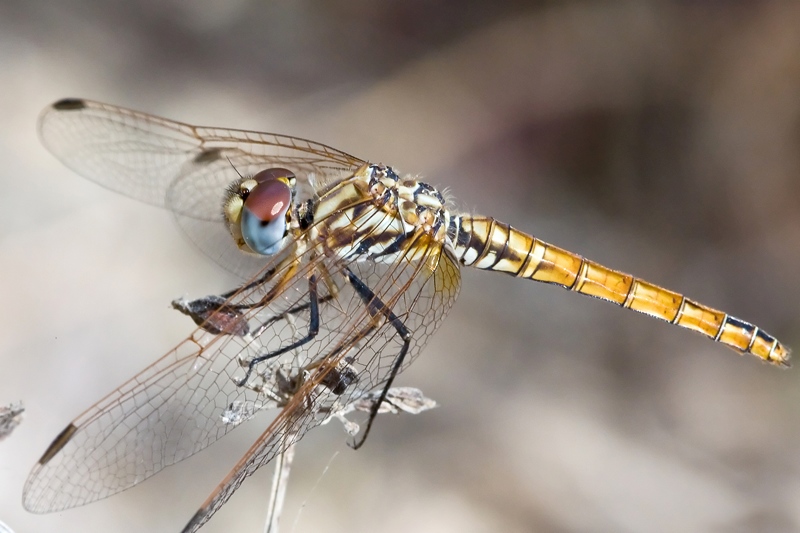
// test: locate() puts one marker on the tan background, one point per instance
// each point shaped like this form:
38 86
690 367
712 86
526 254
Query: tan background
662 140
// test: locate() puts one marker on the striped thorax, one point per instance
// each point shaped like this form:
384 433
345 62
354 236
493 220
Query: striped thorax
356 223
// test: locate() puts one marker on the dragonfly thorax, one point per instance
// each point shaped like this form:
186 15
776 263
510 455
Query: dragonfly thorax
258 210
377 216
415 203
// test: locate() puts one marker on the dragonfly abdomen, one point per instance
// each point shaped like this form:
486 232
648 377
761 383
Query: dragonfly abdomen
488 244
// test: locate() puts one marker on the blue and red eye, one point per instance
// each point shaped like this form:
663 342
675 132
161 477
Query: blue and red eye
264 222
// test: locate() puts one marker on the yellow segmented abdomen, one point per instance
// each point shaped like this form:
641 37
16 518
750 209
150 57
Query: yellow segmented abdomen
489 244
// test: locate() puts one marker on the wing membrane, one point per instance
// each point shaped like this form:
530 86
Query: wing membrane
174 408
140 155
178 405
182 167
420 298
166 413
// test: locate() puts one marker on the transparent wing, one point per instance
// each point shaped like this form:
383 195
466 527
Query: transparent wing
181 167
170 410
189 398
419 293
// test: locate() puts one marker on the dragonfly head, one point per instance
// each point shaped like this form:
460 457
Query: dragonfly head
258 210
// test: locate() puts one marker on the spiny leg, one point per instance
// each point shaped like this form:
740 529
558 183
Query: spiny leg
376 307
313 330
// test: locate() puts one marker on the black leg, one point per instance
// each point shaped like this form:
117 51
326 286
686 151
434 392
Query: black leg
258 281
377 307
292 311
313 329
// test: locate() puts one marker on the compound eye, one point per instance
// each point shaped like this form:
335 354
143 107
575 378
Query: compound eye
275 174
264 223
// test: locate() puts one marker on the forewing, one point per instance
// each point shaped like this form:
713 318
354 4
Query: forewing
140 155
182 167
184 401
419 292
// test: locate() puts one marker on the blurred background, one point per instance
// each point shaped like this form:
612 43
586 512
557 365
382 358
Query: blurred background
657 138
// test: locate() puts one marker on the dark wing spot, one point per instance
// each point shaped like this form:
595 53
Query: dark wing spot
59 442
207 156
70 104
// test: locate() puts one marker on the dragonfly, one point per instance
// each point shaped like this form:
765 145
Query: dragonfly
347 270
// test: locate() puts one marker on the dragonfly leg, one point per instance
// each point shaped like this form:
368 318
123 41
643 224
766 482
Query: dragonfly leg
266 276
377 307
313 329
290 312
